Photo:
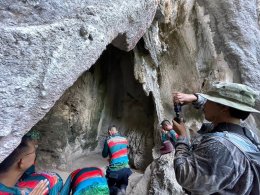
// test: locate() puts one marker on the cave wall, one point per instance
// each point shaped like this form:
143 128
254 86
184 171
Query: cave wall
45 45
104 95
192 43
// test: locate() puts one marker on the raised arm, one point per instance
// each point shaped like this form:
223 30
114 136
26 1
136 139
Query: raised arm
184 98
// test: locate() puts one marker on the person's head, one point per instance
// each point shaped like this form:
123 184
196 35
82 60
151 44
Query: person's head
166 125
229 100
22 157
112 130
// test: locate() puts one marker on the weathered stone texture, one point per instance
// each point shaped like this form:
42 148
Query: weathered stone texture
106 94
159 178
205 41
46 45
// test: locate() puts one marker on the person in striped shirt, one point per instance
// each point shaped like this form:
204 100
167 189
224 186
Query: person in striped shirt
86 181
17 172
18 176
168 133
169 137
118 171
54 181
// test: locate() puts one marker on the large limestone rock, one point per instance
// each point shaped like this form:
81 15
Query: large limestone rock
158 178
106 94
192 43
46 45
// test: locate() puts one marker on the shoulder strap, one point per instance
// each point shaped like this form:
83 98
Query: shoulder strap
251 137
240 142
252 156
242 132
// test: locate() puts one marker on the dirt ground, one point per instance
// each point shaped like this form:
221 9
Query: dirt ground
92 160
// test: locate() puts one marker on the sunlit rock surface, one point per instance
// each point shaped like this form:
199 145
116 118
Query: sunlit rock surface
53 76
158 178
46 45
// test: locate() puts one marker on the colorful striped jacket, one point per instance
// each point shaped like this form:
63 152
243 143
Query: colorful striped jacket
115 147
86 181
4 190
28 183
170 135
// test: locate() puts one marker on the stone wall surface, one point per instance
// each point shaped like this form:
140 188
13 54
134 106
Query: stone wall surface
51 65
46 45
107 94
192 43
158 178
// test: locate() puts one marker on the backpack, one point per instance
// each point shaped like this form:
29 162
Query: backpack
248 146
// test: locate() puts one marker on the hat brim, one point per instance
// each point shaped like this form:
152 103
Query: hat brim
229 103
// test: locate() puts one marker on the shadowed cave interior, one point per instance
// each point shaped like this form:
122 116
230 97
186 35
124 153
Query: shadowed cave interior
73 131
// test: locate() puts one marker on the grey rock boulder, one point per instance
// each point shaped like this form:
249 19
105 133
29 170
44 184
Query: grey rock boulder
46 45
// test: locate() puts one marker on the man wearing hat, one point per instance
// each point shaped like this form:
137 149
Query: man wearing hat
225 157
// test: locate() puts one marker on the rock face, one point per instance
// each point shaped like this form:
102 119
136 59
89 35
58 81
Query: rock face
52 69
47 45
151 181
106 94
192 43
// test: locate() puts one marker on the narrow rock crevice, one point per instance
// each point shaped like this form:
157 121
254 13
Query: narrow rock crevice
105 94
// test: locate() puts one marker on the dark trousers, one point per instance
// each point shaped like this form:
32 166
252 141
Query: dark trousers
117 180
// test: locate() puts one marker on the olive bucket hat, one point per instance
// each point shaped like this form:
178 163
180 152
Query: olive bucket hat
233 95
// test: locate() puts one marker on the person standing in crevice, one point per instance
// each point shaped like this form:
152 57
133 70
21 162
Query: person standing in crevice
118 171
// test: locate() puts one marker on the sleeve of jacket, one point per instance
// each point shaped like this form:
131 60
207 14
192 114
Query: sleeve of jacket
173 135
164 137
200 102
105 150
206 169
67 187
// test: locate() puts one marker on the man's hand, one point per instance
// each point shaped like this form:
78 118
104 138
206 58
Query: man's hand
183 98
41 188
163 131
179 128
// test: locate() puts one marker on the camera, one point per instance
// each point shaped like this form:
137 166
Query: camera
177 110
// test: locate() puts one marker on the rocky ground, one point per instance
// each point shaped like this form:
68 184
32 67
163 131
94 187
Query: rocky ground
95 160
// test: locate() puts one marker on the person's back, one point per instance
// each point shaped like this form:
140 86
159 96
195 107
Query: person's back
217 156
246 150
115 146
86 181
55 182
